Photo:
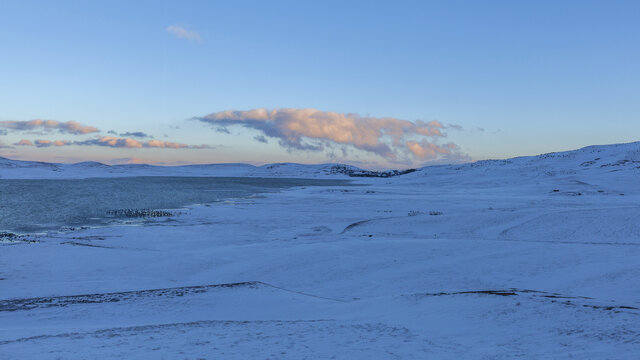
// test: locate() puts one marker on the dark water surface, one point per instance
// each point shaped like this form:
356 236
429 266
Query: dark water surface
44 204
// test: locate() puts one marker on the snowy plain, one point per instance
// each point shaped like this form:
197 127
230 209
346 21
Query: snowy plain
534 257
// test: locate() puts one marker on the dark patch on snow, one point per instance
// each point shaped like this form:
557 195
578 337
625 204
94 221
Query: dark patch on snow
355 172
75 243
119 331
62 301
555 297
137 213
100 298
357 223
7 238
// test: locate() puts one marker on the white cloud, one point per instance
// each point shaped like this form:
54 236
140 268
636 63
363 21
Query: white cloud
183 33
69 127
114 142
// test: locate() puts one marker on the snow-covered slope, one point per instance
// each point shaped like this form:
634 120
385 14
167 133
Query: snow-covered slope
590 159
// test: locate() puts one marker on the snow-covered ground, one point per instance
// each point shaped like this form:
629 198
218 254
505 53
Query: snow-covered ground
535 258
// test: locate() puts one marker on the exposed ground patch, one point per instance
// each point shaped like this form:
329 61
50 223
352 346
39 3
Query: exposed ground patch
580 301
62 301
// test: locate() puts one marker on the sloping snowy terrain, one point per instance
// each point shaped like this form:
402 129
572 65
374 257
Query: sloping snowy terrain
534 257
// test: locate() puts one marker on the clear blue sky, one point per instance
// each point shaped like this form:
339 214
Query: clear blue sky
536 76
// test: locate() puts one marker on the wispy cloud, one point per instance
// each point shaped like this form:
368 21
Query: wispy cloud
24 142
138 134
165 144
182 33
315 130
113 142
47 143
68 127
428 150
43 143
116 142
260 138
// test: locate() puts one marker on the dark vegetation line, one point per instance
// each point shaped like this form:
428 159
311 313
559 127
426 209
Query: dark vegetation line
342 169
554 297
140 328
98 298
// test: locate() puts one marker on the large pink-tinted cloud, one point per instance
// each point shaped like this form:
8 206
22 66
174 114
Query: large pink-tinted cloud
69 127
311 129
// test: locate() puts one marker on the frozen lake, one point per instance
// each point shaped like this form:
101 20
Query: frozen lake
45 204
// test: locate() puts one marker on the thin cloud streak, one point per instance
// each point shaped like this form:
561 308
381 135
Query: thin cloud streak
68 127
138 134
113 142
182 33
24 142
48 143
261 138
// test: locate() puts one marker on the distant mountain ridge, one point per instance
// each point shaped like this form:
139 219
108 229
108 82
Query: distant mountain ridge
612 157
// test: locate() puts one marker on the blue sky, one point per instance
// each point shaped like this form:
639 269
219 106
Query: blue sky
496 79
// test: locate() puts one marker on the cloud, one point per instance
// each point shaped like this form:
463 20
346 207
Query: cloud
139 134
47 143
43 143
182 33
260 138
69 127
461 128
114 142
427 150
315 130
203 146
24 142
165 144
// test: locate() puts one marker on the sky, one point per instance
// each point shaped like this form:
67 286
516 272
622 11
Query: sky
392 84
